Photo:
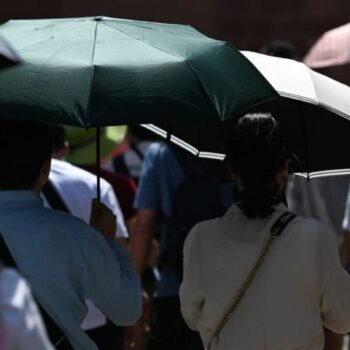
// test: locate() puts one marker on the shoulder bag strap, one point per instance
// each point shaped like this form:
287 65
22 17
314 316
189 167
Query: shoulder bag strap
53 197
56 336
276 230
137 151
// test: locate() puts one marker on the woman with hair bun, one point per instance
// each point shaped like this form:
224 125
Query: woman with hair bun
259 277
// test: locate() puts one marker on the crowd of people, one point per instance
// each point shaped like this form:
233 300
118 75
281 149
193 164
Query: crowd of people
179 259
173 255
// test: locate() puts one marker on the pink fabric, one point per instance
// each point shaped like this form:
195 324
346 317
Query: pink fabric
331 49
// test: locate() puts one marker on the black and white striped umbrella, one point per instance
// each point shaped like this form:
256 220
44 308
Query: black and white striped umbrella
314 108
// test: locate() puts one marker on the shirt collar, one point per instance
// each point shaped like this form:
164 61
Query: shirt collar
279 208
23 197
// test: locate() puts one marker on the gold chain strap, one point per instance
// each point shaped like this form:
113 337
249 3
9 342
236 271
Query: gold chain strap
275 231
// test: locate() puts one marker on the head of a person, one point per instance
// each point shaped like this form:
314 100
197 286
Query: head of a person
280 48
258 155
25 153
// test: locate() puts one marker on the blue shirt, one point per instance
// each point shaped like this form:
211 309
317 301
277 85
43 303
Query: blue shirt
161 175
66 261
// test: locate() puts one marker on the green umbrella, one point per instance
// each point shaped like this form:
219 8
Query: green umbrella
102 71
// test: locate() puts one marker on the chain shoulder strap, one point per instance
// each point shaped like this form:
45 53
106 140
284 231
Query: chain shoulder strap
276 230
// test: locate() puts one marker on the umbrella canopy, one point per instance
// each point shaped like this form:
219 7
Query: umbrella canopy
7 56
331 49
330 55
103 71
314 108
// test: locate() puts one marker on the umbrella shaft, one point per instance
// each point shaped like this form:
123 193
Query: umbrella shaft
98 162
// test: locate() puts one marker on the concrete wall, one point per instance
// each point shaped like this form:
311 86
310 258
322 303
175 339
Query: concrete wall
248 24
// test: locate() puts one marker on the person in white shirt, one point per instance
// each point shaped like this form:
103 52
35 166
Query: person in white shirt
345 242
65 260
21 325
77 187
130 161
300 288
322 198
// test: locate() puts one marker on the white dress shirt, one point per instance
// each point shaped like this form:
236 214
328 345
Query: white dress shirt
346 220
77 187
300 288
20 321
321 198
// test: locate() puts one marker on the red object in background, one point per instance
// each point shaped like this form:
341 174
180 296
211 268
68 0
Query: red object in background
119 149
124 188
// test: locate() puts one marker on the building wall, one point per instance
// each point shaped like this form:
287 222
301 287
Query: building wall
247 24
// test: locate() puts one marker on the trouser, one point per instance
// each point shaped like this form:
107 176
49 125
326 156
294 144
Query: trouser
107 337
169 331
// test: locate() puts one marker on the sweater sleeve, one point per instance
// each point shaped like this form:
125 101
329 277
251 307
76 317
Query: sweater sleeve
335 284
191 298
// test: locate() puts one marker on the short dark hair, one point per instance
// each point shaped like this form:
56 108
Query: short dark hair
279 48
257 148
24 148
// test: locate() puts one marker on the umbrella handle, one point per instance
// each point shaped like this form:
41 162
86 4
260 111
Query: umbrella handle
306 148
98 163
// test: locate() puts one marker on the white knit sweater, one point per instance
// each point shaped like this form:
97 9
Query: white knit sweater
300 288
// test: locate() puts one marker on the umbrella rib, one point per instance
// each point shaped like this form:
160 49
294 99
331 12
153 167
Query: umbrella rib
34 43
172 55
334 110
202 85
140 24
144 42
323 105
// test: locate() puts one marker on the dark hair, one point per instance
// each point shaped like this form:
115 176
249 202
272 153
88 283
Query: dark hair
256 150
279 48
58 137
24 148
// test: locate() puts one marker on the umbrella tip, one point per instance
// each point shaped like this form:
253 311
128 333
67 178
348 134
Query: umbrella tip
98 18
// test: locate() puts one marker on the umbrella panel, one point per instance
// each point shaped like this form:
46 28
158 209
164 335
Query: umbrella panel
340 73
97 72
319 138
8 57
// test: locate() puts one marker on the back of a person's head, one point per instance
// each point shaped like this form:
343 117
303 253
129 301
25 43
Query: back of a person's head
24 148
279 48
257 149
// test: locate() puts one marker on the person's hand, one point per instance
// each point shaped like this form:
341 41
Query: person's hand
103 219
153 253
135 335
